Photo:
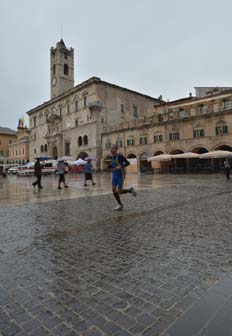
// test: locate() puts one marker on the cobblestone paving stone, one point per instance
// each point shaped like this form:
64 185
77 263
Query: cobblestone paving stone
73 267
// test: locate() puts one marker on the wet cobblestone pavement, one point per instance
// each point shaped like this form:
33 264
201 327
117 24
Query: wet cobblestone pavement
74 267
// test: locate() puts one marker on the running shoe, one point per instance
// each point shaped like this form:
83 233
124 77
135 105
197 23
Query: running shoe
118 208
134 193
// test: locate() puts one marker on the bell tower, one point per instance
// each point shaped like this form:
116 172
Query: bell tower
61 69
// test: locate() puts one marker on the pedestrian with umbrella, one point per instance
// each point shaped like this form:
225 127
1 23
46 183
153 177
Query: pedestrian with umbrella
61 171
88 170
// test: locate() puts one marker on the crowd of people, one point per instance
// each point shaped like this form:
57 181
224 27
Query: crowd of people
118 165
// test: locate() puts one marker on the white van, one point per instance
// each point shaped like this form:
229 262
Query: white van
49 167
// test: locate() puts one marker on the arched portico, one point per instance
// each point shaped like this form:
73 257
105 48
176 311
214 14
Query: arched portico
82 155
133 167
144 165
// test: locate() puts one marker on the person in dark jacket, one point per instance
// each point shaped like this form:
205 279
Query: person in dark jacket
88 169
38 174
227 168
118 165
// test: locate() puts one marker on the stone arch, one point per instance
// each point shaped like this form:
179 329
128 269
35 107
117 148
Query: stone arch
131 156
143 163
106 162
82 155
223 146
199 150
176 151
158 152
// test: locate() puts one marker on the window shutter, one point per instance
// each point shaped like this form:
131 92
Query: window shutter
225 129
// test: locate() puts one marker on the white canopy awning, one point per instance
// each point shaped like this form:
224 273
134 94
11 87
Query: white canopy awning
216 154
187 155
161 157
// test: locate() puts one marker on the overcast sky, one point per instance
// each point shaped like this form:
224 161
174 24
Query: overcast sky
153 46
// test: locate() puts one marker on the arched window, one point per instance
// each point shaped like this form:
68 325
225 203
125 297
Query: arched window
66 69
79 141
41 148
85 140
76 105
68 108
221 128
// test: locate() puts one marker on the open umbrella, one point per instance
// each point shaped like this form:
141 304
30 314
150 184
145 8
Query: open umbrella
92 158
79 162
65 158
218 154
161 157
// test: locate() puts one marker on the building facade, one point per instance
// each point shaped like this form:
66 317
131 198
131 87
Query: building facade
72 122
19 149
191 124
7 136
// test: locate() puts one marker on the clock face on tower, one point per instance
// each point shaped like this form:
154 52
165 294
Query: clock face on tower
54 80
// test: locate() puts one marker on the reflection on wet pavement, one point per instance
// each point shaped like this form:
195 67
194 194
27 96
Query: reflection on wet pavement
72 266
18 190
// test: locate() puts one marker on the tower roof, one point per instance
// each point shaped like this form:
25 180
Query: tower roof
61 44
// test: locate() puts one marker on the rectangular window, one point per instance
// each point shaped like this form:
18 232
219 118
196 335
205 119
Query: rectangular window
197 133
122 108
108 145
68 109
226 104
34 151
220 130
181 113
202 109
130 142
143 140
215 108
119 143
158 138
76 123
76 105
192 112
85 101
170 115
174 136
67 149
34 121
135 111
60 112
102 120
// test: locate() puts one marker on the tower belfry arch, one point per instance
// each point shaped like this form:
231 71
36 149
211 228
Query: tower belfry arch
61 69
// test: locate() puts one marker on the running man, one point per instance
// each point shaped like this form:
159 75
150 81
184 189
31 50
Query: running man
118 164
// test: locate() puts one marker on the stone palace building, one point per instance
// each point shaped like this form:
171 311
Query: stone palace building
84 120
198 124
73 121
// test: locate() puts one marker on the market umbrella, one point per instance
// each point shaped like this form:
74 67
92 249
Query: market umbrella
79 162
218 154
65 158
92 158
187 155
161 157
